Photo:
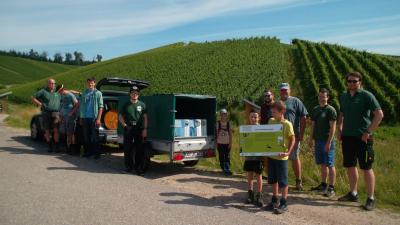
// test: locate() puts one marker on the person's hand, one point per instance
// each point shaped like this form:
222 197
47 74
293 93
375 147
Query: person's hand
144 133
98 122
71 113
365 137
327 146
283 154
339 135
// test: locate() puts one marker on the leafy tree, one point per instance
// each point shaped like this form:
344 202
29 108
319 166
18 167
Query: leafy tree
99 57
68 58
58 58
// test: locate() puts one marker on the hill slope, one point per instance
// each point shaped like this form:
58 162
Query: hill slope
237 69
16 70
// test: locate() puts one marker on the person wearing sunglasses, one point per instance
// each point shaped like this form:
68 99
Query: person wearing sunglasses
355 131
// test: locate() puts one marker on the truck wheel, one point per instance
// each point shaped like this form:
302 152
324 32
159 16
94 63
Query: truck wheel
36 134
191 162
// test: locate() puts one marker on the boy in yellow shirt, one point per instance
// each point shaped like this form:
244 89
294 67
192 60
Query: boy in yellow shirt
278 165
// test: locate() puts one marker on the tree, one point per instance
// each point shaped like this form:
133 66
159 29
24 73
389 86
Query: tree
58 58
78 58
99 57
43 56
68 58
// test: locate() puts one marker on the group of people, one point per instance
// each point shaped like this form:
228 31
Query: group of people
61 110
359 115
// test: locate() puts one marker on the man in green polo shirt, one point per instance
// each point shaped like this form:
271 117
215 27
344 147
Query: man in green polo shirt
49 101
323 128
133 118
355 130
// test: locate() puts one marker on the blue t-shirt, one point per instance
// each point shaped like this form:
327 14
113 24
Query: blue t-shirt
89 99
67 103
295 109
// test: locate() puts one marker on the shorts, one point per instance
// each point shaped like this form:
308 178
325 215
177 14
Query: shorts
278 172
322 157
295 153
67 125
51 120
253 166
354 149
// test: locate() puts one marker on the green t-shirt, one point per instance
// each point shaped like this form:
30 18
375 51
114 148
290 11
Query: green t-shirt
133 112
357 111
287 133
50 100
322 116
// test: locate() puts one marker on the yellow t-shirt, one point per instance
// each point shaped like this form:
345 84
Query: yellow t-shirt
287 133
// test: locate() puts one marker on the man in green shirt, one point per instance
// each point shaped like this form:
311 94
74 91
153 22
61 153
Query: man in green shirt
49 101
133 118
323 128
355 130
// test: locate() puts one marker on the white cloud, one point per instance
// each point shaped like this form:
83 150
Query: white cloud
44 22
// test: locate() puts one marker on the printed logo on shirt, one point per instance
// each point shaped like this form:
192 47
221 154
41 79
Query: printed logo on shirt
323 114
139 108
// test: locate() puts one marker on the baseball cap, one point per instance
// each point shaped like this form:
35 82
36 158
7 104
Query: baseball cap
134 88
223 111
284 86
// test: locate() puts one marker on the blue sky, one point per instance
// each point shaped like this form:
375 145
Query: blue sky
120 27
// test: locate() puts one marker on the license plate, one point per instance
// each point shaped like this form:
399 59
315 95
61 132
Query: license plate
192 154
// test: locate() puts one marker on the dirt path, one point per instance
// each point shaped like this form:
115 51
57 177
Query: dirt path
212 189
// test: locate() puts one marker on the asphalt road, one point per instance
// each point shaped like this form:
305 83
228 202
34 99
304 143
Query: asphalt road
37 187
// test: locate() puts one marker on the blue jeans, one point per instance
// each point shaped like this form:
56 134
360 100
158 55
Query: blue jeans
224 157
91 137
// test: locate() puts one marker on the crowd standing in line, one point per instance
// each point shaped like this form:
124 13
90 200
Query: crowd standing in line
355 128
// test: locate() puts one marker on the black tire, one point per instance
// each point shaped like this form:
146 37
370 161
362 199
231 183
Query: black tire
36 131
190 163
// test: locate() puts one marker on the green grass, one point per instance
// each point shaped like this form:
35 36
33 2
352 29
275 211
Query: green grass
16 70
20 115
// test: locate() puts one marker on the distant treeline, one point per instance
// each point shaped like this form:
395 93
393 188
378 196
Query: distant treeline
75 58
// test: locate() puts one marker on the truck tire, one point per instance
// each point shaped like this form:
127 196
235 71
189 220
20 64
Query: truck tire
190 163
36 133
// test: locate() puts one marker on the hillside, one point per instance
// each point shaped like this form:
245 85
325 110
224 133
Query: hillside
237 69
16 70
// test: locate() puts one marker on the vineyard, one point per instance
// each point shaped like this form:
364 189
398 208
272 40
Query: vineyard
231 69
242 68
325 65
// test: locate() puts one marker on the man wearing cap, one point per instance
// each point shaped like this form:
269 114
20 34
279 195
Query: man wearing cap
224 142
133 118
91 109
49 101
355 131
296 113
69 107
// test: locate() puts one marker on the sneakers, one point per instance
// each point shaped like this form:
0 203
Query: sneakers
330 191
349 197
299 185
272 205
320 187
282 207
369 205
258 200
250 196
